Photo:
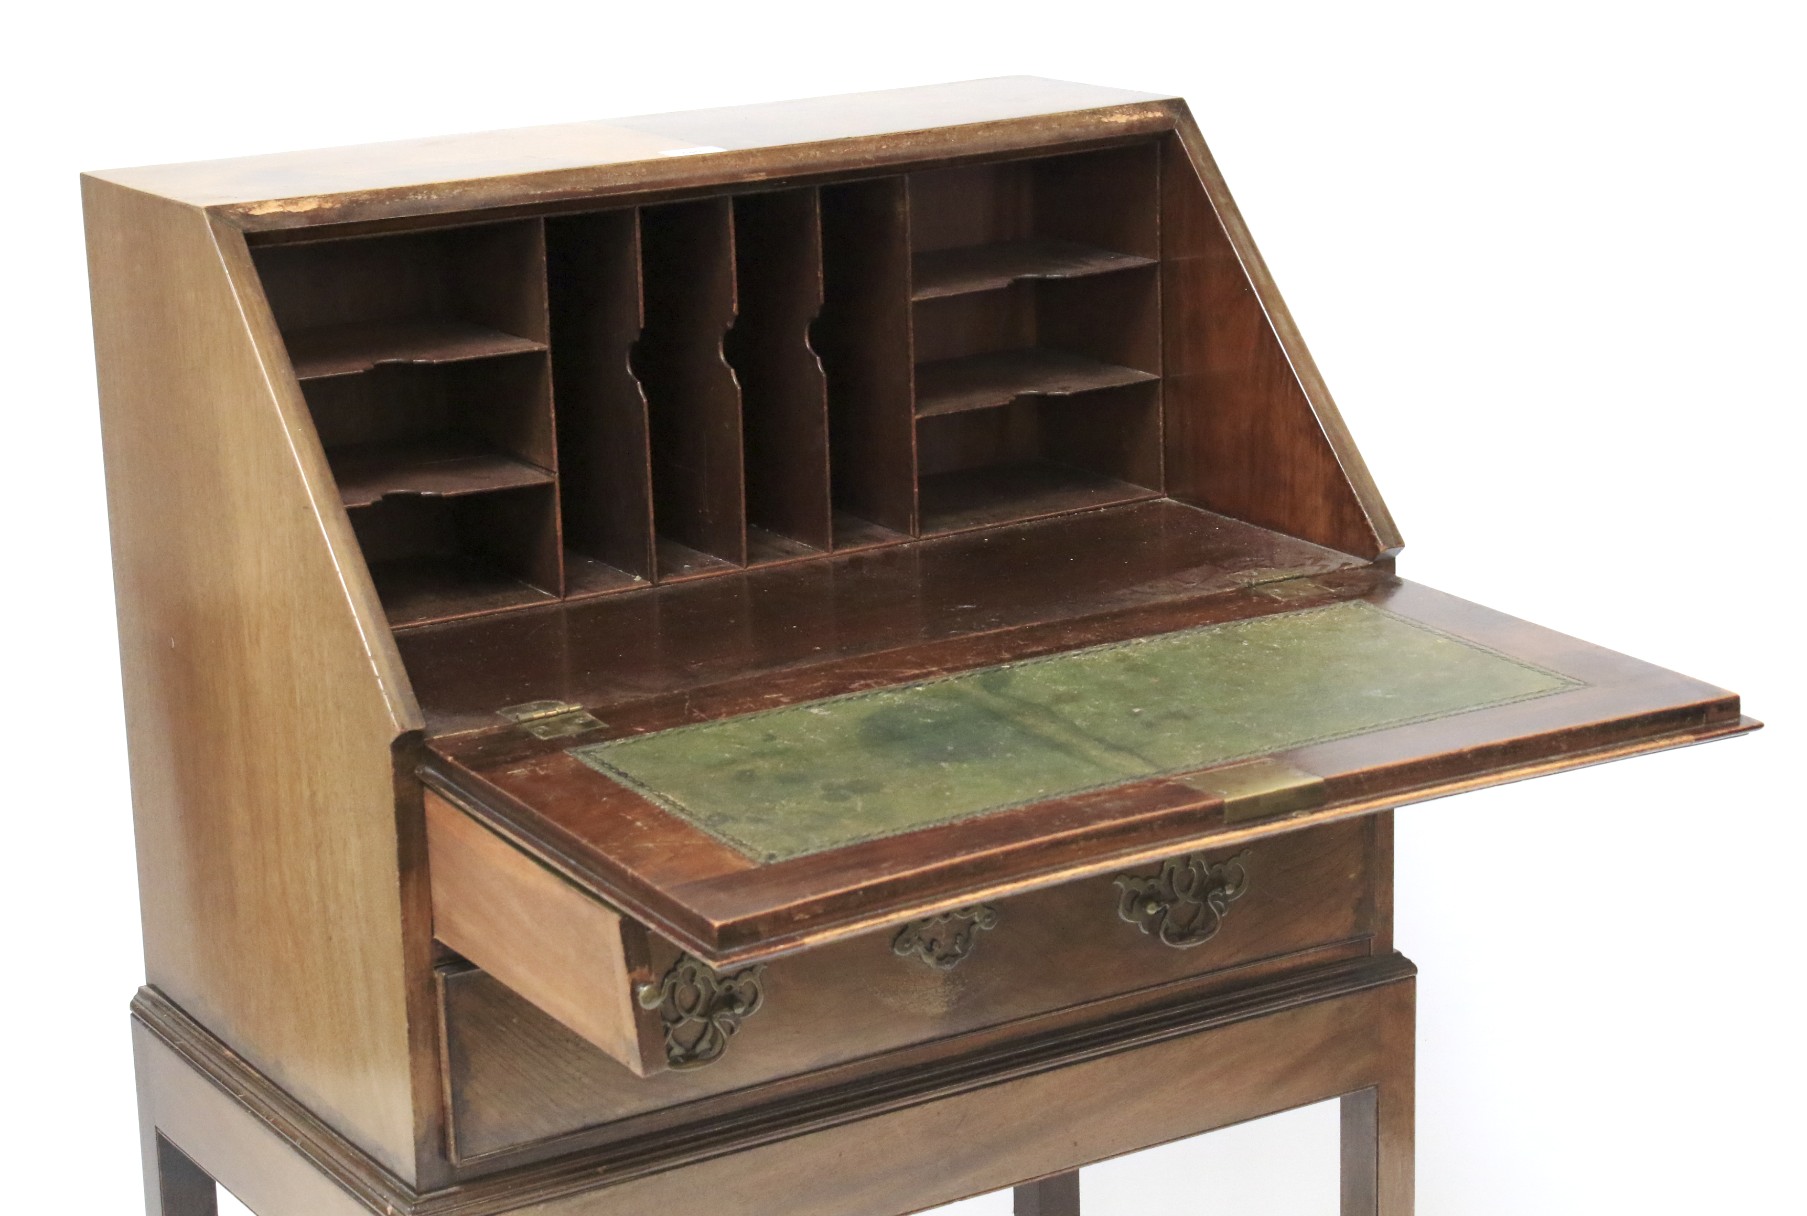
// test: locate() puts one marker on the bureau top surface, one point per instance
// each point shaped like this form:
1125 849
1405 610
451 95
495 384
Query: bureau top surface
537 165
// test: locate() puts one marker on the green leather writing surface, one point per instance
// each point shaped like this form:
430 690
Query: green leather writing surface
806 778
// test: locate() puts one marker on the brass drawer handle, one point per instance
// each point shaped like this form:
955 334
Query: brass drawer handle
702 1010
944 941
1184 905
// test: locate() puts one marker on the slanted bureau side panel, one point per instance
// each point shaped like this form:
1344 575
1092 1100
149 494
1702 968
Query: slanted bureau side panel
262 689
1251 430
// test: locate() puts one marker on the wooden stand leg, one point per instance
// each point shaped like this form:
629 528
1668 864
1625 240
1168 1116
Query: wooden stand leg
1377 1151
1378 1121
1053 1196
174 1185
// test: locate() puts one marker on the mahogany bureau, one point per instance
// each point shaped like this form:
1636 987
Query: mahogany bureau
822 658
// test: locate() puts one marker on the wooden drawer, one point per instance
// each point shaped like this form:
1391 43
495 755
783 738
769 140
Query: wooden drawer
570 954
620 991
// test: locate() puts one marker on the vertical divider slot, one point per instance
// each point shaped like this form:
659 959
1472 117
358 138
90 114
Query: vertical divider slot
784 393
864 338
692 395
605 464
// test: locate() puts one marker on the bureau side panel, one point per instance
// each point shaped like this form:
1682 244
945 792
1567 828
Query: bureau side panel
1251 429
263 695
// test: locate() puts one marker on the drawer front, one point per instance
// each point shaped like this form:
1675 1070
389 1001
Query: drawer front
1077 951
574 957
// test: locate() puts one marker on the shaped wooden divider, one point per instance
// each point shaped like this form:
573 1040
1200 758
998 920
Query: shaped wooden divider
784 394
693 398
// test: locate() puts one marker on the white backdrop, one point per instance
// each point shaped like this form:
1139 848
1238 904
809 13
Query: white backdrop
1549 257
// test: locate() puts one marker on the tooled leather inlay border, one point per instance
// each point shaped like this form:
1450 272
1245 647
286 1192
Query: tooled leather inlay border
825 774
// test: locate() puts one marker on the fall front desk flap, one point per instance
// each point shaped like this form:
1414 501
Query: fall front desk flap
743 832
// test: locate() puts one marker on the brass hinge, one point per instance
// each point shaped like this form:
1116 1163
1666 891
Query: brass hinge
1259 789
551 719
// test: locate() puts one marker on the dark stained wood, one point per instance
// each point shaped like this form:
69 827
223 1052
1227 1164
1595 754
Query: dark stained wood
1056 1195
678 561
175 1185
952 272
1115 319
1068 366
502 403
693 400
994 322
1380 892
1065 369
446 289
850 609
448 587
1251 429
964 499
341 350
778 258
977 382
1110 198
435 468
1116 433
437 558
864 339
425 369
852 533
1106 199
605 448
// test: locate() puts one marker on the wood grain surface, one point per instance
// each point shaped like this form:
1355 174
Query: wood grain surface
1143 1080
519 1079
263 692
1252 429
291 190
573 956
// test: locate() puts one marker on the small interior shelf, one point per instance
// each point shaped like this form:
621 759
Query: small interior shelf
951 272
678 561
433 558
344 350
765 546
442 467
977 498
984 381
439 587
851 532
586 575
